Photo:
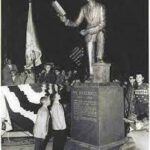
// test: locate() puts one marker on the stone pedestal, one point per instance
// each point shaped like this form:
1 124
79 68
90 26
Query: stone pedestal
97 112
101 72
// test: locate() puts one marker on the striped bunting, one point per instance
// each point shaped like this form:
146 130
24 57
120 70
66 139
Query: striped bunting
22 103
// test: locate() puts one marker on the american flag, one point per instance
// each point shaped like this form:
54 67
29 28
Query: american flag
77 55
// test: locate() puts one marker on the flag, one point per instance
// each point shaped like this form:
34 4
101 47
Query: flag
21 104
33 53
76 55
5 118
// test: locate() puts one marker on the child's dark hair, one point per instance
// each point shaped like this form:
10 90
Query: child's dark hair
52 99
46 90
42 99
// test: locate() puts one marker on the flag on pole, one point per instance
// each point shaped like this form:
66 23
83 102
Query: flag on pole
33 53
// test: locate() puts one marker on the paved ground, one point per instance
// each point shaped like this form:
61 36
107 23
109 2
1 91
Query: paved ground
24 147
21 144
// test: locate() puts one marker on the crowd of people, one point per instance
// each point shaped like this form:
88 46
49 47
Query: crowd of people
136 115
49 73
136 98
57 107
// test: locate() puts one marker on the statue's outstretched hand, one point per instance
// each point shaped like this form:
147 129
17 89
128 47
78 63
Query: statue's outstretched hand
62 18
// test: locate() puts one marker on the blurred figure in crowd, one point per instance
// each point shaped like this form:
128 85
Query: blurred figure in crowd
30 78
63 73
6 72
27 77
69 76
66 102
129 97
75 77
59 77
15 78
47 75
129 102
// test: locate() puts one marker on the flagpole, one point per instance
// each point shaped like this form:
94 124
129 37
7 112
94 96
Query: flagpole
33 61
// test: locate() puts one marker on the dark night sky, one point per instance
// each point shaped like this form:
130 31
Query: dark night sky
126 33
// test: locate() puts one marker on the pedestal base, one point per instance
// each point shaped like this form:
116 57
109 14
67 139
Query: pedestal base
97 110
101 73
76 145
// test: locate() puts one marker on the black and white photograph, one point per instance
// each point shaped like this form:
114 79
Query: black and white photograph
74 75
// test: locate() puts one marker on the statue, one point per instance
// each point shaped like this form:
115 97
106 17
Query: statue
94 14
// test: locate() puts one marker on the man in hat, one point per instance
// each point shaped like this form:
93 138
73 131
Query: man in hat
94 14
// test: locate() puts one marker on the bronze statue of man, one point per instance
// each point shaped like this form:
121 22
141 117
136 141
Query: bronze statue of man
94 14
